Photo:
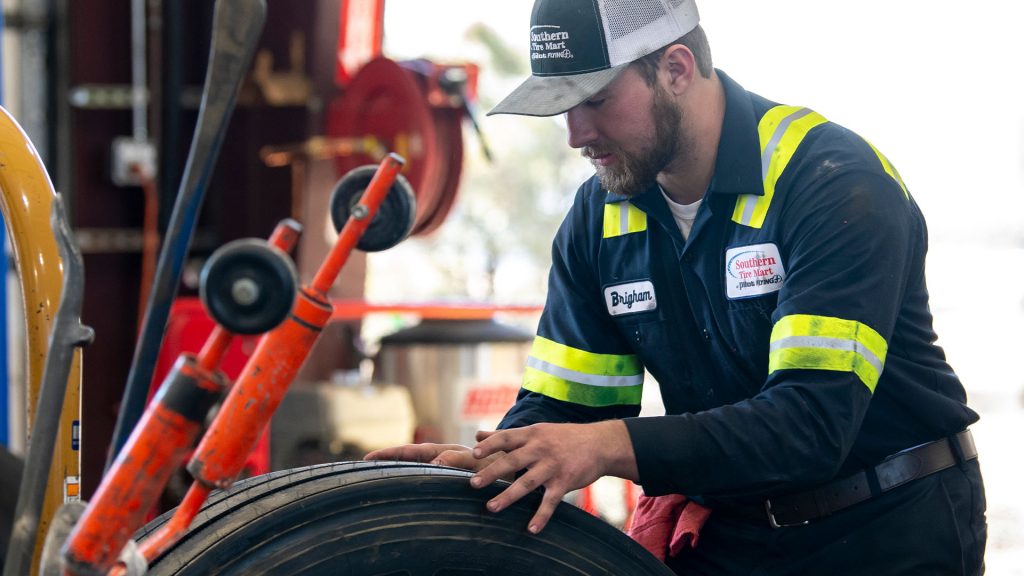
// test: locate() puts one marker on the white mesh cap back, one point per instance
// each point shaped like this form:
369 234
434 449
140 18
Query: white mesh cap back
635 28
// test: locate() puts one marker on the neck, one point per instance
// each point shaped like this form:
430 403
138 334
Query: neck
687 177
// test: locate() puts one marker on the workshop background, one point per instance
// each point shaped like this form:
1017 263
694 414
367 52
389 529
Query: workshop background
935 85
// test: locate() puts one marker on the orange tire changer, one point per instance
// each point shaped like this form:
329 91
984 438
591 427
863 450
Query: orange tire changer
175 416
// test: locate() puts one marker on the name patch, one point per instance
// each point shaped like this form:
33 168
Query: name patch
753 271
630 298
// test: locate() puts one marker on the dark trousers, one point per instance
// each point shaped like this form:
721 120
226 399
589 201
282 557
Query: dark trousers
932 526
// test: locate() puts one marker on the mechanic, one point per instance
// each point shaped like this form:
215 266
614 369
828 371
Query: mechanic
766 266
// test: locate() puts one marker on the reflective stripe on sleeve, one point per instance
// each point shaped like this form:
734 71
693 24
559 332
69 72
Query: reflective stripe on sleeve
781 131
582 377
621 218
890 169
802 341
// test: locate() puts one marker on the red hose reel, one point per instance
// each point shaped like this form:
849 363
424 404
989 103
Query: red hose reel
415 109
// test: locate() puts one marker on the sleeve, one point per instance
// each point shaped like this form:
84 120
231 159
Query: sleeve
580 369
851 243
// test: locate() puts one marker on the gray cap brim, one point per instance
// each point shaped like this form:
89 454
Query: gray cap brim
551 95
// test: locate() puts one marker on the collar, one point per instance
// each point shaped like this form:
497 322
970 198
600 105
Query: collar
738 162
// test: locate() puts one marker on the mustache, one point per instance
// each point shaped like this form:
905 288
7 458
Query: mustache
591 152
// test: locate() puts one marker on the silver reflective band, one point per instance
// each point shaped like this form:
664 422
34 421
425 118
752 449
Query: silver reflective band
583 378
769 151
828 343
624 218
780 131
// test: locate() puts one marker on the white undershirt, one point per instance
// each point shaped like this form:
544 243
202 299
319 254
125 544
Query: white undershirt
684 214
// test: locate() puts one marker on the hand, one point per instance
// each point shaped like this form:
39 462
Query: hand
453 455
559 457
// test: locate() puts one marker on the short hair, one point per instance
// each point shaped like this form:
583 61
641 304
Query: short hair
696 40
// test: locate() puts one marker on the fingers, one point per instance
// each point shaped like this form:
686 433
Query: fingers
413 452
408 453
500 455
500 466
547 509
527 483
555 456
458 459
538 473
499 441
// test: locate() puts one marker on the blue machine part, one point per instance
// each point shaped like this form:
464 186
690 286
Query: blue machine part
5 416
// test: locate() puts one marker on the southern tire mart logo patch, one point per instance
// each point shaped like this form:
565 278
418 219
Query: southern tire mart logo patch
753 271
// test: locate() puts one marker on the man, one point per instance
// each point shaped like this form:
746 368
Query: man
766 266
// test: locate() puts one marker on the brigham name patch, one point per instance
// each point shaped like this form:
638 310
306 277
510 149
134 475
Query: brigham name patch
753 271
630 298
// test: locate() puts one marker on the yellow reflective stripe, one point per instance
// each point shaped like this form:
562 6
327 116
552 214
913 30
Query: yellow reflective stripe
802 341
568 391
890 169
582 377
780 131
585 362
622 218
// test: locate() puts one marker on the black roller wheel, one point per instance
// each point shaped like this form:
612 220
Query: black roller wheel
394 219
248 286
387 519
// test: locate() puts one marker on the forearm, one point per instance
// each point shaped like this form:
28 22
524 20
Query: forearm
789 434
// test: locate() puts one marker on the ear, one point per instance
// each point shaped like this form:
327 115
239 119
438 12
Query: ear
680 66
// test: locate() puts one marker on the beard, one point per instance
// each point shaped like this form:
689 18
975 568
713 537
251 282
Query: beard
634 173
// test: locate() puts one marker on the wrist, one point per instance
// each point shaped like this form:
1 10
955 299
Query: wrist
616 448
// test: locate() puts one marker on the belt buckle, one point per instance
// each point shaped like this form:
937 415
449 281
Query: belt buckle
775 523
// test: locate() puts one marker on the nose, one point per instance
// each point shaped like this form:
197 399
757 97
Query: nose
581 127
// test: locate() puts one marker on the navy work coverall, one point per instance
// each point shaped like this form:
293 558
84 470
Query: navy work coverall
792 342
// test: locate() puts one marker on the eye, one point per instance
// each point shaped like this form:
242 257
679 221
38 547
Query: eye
596 101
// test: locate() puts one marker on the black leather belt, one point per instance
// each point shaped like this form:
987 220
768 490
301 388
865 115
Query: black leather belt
894 471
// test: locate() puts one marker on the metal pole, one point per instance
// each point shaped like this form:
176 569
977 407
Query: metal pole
139 91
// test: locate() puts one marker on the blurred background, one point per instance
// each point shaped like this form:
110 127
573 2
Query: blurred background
429 337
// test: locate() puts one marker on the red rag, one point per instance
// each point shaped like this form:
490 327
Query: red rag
663 525
687 529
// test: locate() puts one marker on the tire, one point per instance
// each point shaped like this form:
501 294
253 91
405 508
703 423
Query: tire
393 519
11 469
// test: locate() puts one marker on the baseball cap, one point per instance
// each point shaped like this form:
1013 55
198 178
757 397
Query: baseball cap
578 46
